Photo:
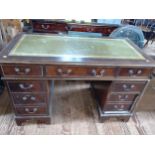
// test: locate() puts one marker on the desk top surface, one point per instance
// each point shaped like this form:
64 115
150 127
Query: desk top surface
74 47
73 50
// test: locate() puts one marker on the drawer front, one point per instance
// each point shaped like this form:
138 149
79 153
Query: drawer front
128 86
81 28
117 107
135 72
73 71
53 27
27 86
122 97
88 28
104 30
28 99
22 70
33 110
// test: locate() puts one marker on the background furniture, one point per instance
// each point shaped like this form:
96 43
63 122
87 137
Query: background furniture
131 32
62 26
146 25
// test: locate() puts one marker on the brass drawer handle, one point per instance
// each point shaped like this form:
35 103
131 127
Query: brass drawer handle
139 72
94 72
123 97
67 28
25 87
131 72
119 108
66 72
90 29
128 87
26 97
45 26
134 73
19 71
34 110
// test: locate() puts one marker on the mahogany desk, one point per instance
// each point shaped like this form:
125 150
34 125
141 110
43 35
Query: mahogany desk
118 71
55 26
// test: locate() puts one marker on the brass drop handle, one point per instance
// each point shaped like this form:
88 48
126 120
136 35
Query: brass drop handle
139 72
25 98
22 72
45 27
102 72
25 87
34 110
128 87
67 28
123 97
90 29
33 98
119 108
134 73
66 72
94 72
131 72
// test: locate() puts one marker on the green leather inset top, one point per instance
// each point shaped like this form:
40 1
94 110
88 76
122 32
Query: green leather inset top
74 47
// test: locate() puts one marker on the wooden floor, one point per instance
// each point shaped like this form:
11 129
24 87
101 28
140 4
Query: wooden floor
74 112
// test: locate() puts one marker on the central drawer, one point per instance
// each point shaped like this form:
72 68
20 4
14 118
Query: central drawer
27 86
78 71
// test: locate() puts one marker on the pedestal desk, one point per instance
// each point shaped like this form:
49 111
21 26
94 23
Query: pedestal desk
117 70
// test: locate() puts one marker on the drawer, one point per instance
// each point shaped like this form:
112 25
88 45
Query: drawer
31 110
135 72
28 99
117 107
22 70
27 86
46 27
77 71
79 28
122 97
128 86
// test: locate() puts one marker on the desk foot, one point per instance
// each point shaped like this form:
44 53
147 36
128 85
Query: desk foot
121 118
40 120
